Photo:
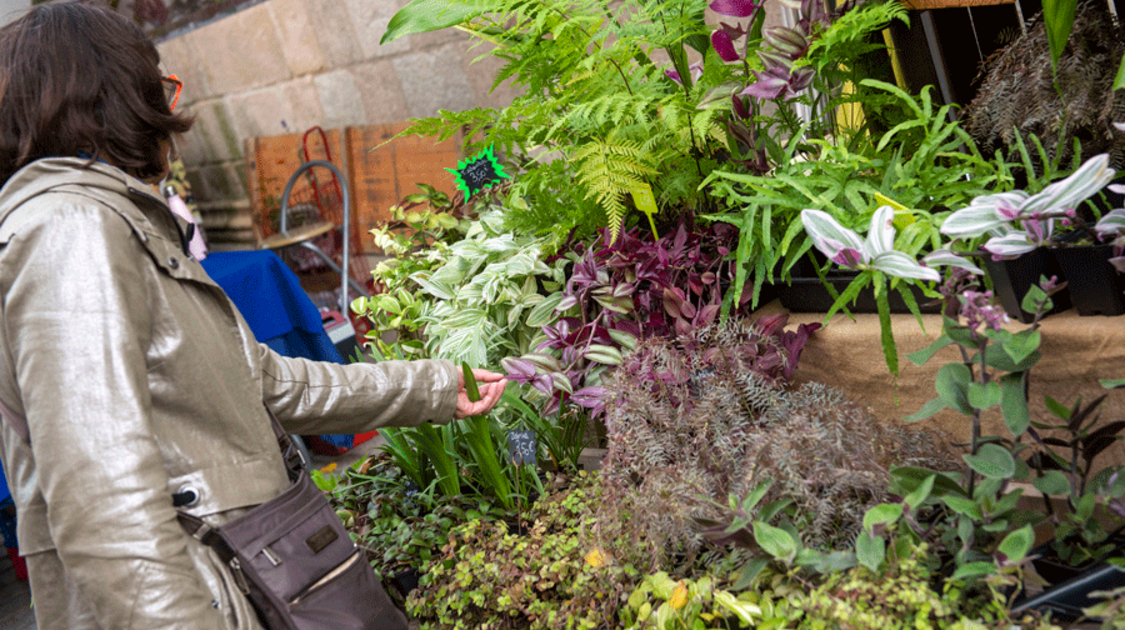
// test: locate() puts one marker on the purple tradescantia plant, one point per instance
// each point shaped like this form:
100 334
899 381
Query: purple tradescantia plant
1018 222
1111 228
845 248
735 8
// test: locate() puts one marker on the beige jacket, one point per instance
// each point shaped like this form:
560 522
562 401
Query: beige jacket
127 375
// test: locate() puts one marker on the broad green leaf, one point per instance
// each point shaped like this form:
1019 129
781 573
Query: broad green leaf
1119 81
964 506
1052 483
952 385
921 493
882 514
775 541
1022 344
870 551
994 357
422 16
974 569
984 396
1033 297
1112 383
927 410
1015 545
992 461
1013 402
923 355
543 313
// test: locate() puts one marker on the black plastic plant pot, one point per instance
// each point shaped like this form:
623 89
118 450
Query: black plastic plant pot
809 295
1095 286
1066 599
1011 280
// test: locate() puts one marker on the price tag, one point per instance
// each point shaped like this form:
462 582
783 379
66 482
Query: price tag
646 203
478 172
522 447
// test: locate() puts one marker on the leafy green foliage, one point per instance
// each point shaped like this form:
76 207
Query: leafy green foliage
923 154
596 116
551 576
399 525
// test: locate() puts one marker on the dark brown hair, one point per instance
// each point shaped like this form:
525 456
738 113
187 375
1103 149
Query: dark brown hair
76 80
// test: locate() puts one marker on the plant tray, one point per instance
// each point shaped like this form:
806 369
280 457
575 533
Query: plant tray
809 295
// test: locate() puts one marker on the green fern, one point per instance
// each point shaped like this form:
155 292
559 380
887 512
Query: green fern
608 170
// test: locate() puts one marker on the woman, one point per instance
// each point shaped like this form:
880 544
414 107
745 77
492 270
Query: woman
126 375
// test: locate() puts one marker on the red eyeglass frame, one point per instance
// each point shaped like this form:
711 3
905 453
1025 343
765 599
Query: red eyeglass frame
174 80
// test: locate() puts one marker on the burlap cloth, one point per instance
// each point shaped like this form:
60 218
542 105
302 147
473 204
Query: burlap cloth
1077 352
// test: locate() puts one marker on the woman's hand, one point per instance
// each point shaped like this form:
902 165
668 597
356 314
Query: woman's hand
491 386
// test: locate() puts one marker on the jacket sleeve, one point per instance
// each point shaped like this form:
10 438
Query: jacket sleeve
77 317
311 397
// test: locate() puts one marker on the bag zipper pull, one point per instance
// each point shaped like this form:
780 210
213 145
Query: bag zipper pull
239 578
274 559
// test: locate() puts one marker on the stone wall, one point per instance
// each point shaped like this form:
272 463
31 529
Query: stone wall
283 66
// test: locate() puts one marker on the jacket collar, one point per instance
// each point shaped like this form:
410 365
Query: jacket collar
46 174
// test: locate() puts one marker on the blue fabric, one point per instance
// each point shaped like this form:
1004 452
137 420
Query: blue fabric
7 525
279 312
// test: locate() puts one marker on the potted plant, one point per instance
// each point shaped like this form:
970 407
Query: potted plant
1017 225
1085 507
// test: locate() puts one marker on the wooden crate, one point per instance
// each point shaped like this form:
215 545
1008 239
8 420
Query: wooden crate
385 169
380 170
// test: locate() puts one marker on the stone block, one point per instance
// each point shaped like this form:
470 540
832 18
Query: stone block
382 95
341 99
192 147
304 104
214 132
297 31
435 39
435 80
369 21
241 51
286 108
218 182
333 30
178 56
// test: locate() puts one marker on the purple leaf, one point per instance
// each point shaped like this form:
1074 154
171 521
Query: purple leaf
724 45
518 369
848 257
769 86
675 76
734 8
